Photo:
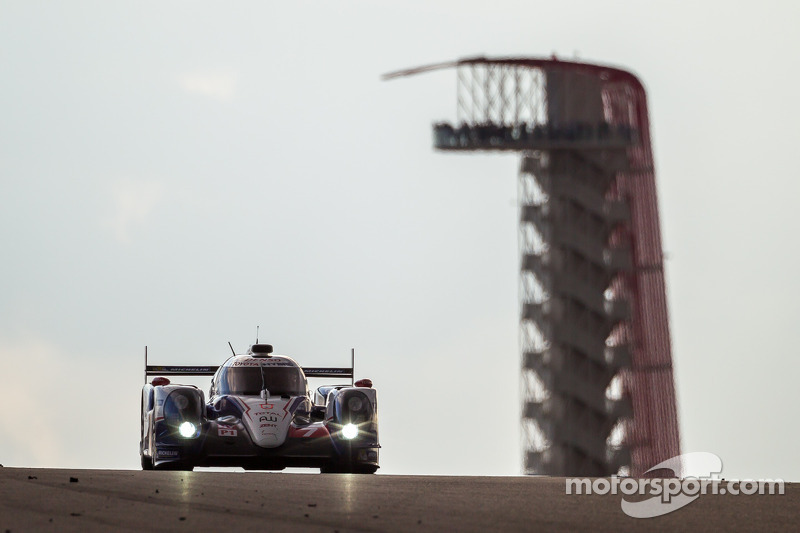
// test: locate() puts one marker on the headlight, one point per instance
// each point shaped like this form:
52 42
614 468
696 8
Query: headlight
356 408
181 401
187 430
355 404
350 431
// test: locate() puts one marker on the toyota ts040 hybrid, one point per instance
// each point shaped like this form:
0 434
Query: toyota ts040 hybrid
259 415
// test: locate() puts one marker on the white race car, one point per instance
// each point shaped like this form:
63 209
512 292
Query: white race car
259 415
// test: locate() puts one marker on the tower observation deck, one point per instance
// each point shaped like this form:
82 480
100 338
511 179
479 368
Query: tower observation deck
598 391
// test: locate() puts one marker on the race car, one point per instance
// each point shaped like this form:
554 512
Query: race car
259 416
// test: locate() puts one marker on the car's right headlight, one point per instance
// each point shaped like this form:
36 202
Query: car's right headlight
350 431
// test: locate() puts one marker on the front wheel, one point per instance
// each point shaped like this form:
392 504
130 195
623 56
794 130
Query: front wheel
183 467
147 462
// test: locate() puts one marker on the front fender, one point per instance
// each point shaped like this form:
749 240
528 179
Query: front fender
338 415
174 407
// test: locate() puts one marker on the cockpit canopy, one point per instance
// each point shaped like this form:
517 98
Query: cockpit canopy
248 378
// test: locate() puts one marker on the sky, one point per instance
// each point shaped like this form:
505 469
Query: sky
174 174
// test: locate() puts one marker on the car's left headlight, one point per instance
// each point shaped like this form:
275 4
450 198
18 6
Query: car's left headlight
187 430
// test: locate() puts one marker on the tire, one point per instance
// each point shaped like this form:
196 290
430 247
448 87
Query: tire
147 462
182 467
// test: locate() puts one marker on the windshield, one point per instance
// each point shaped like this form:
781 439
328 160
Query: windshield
246 381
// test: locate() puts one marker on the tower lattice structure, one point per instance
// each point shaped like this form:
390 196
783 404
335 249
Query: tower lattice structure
597 380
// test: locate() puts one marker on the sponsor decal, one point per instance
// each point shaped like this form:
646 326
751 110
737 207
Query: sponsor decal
267 406
268 426
273 361
181 369
167 453
262 362
226 432
268 418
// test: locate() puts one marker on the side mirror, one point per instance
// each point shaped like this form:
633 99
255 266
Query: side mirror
302 417
228 420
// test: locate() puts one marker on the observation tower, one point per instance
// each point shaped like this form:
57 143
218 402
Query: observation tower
598 391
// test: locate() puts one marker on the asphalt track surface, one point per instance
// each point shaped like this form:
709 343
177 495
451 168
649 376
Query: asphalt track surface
125 500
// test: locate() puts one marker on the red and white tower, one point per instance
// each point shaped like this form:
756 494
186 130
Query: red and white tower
598 391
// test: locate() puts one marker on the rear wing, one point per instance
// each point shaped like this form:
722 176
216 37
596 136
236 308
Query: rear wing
320 372
310 372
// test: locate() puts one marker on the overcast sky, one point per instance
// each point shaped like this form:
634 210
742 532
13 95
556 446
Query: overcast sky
173 174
